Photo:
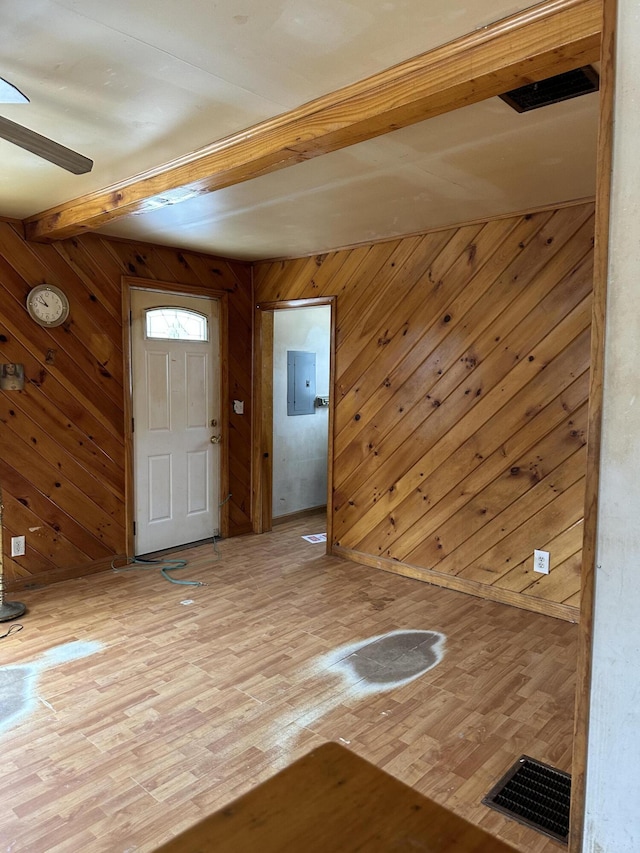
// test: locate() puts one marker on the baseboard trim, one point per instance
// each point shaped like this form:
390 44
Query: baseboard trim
480 590
301 513
101 565
57 575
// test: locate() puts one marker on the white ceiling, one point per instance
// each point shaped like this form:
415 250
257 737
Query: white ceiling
136 84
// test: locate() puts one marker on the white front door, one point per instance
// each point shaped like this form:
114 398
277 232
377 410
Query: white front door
176 412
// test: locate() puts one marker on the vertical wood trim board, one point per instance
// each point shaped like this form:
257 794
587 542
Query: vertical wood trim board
601 265
262 418
266 421
64 462
461 383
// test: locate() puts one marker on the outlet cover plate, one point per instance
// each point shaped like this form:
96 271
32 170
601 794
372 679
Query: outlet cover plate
18 545
541 562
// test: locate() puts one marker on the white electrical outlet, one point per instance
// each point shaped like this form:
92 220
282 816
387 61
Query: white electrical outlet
541 562
18 545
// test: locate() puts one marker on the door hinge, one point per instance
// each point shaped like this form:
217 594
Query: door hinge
134 528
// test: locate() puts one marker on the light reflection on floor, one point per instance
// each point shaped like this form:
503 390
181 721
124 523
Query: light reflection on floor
18 683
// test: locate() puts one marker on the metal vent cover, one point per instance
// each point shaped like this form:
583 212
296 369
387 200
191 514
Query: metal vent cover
561 87
536 795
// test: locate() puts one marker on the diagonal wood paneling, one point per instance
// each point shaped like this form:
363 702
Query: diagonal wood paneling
62 467
462 362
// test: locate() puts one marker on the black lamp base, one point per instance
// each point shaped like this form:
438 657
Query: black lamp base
11 610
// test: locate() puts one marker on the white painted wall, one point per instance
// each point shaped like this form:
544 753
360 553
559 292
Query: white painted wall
300 442
612 822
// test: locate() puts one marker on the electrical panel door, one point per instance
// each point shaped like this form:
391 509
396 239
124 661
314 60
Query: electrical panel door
301 382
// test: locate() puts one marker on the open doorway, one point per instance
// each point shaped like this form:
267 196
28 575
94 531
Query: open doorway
301 356
292 471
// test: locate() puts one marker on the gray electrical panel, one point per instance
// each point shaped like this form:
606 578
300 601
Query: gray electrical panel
301 382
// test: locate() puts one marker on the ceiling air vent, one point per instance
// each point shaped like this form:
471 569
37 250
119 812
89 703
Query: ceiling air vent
571 84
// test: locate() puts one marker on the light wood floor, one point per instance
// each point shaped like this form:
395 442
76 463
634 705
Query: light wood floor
187 705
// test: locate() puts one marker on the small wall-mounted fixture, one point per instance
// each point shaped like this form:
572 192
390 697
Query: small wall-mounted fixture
321 402
12 377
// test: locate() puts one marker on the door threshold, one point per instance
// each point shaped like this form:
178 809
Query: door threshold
154 555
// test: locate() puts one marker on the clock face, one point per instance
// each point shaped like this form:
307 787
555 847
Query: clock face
48 305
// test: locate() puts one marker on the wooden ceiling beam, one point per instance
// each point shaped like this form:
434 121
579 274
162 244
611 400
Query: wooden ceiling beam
539 42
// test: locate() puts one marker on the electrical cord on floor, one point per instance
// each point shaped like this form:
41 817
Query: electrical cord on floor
12 630
165 567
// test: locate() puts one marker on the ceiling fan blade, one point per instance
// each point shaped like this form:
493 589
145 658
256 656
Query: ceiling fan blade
10 94
44 147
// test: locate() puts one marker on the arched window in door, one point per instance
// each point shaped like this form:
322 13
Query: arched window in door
179 324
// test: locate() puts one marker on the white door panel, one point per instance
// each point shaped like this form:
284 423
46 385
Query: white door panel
157 385
159 496
175 400
197 482
198 405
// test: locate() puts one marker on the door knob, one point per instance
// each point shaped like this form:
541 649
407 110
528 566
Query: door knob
215 439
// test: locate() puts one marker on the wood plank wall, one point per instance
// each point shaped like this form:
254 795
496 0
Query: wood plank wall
462 361
62 460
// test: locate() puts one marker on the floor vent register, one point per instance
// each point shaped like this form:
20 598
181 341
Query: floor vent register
536 795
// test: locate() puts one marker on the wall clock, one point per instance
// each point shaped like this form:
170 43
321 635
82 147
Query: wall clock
48 305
